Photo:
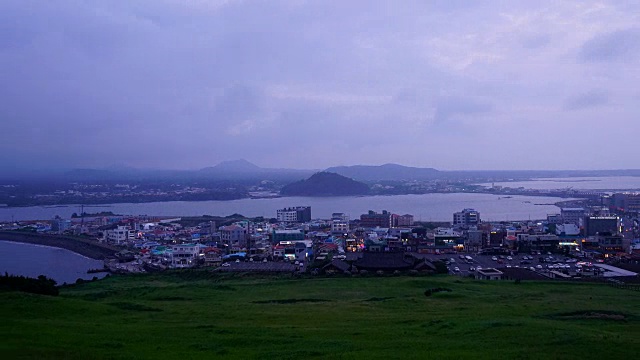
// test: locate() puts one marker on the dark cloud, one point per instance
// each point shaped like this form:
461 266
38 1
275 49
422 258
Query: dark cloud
186 84
591 99
613 46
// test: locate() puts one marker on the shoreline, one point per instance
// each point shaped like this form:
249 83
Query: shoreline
44 246
84 247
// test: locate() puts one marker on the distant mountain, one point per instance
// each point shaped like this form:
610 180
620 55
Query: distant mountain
244 170
89 174
325 184
385 172
234 166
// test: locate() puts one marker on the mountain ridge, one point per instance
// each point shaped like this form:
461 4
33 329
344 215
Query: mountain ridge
389 171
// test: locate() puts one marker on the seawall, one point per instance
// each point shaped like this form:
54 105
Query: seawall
86 247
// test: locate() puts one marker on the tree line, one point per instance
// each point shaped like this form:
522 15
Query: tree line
41 285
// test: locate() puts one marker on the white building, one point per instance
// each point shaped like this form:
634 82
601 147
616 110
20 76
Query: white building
466 217
340 216
573 216
339 226
299 214
120 235
567 229
185 255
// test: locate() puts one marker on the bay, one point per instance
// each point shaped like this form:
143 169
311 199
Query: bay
33 260
424 207
610 183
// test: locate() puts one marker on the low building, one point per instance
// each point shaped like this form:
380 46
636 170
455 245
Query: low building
287 235
627 202
185 255
374 261
573 216
120 235
60 225
336 266
212 256
233 236
466 218
542 242
488 274
339 226
299 214
340 216
373 219
567 229
554 219
405 220
474 240
611 244
601 224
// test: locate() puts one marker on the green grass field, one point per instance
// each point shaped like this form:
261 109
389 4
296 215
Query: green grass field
200 315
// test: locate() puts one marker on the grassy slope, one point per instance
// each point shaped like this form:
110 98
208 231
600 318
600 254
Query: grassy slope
186 315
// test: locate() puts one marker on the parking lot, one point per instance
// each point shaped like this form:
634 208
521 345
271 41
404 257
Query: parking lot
461 265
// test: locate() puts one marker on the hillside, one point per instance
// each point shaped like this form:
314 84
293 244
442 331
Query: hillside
325 184
385 172
203 315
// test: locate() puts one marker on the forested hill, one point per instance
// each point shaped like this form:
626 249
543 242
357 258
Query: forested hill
325 184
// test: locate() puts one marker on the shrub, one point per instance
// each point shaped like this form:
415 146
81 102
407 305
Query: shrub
431 291
42 285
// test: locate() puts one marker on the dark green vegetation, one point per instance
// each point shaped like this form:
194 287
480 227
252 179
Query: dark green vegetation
325 184
201 315
42 285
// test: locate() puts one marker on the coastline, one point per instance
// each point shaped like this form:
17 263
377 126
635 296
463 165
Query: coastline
84 247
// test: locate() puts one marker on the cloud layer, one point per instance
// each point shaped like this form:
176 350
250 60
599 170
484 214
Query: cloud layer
312 84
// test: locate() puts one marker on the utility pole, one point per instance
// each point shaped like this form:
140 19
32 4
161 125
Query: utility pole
81 217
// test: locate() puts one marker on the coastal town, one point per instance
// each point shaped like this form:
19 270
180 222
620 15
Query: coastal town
577 243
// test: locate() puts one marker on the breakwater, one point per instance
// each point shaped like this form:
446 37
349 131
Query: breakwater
86 247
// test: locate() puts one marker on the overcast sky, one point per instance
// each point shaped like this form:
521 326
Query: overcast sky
185 84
